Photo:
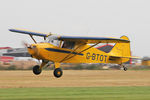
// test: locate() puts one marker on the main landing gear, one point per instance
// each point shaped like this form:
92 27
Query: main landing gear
37 70
57 71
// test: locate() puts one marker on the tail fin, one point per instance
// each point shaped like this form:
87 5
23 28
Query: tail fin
120 53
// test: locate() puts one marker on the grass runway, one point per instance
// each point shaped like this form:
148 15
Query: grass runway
76 93
75 85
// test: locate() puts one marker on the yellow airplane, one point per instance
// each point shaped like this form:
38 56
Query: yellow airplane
75 49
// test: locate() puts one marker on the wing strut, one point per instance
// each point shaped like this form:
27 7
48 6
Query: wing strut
33 39
67 57
89 47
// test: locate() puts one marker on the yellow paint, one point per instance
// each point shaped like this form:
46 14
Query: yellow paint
119 54
57 65
146 62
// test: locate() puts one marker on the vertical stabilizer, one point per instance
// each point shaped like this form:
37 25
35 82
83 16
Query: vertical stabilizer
121 52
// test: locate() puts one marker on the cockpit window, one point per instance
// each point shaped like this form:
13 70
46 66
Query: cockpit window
68 45
53 40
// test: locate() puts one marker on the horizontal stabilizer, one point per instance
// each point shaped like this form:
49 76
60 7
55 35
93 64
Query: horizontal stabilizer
133 57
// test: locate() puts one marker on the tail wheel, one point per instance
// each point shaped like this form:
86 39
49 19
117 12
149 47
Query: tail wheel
125 68
37 70
58 72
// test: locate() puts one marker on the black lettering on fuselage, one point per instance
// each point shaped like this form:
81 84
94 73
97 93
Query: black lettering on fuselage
93 56
105 58
97 57
88 55
101 58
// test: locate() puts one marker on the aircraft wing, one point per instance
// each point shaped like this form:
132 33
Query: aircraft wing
29 32
74 38
93 39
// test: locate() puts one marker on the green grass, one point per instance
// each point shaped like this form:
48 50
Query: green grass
89 93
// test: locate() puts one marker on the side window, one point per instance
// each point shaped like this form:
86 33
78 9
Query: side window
54 42
68 45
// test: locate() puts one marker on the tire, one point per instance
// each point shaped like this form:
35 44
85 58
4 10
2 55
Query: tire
58 72
125 68
37 70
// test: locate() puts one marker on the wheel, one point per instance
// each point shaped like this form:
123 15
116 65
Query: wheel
58 72
37 70
125 68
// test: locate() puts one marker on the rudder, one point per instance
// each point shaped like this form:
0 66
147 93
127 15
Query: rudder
121 51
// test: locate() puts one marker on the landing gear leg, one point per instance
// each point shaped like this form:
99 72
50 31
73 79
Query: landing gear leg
38 69
58 71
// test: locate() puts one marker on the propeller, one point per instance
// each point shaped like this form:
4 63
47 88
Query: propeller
25 44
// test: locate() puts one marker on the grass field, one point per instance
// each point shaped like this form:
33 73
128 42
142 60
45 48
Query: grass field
71 78
76 93
75 85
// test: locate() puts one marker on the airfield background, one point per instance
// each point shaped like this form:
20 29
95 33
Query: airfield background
18 58
104 18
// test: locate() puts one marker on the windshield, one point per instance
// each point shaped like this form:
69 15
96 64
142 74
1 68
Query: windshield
53 40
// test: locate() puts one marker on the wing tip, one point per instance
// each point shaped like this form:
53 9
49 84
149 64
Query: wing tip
14 30
28 32
10 29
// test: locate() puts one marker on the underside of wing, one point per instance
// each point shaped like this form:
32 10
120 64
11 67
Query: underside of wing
29 32
93 39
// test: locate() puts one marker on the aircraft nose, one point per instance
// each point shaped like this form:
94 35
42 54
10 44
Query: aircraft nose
31 46
33 50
